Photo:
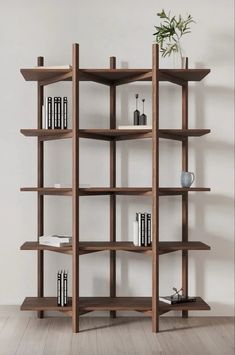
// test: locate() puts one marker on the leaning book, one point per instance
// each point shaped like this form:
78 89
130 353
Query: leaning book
177 300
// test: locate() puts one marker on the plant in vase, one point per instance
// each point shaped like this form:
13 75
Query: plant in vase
169 33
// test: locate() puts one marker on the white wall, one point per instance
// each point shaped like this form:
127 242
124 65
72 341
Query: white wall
122 28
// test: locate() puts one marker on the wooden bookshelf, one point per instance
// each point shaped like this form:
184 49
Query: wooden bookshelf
112 77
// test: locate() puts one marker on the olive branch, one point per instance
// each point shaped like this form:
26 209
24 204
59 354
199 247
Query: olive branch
170 31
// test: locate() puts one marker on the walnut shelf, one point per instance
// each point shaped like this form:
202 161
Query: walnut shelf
91 191
48 134
113 134
65 191
44 304
88 304
84 247
112 77
126 134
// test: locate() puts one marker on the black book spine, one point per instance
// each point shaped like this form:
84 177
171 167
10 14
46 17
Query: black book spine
145 230
59 288
183 300
49 112
62 289
138 219
55 113
59 116
148 229
142 229
66 289
65 113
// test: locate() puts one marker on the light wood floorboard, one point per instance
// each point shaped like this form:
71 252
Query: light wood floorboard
123 336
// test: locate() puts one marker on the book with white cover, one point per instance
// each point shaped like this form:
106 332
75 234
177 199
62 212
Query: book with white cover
55 240
55 244
135 127
135 233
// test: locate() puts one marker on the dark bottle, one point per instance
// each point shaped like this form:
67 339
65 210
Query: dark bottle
136 112
143 117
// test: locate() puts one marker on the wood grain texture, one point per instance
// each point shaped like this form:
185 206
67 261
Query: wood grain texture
75 186
47 134
40 184
155 188
185 195
109 303
128 134
112 177
125 335
164 247
62 191
113 76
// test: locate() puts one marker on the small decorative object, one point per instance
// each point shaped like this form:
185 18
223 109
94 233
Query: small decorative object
176 298
169 33
143 117
177 292
136 112
187 178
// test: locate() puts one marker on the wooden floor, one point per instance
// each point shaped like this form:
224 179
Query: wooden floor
27 335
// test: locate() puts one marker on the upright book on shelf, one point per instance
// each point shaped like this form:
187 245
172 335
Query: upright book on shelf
59 288
49 112
142 226
65 113
55 113
138 220
59 109
148 229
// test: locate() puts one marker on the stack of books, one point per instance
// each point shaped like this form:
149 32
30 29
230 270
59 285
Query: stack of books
177 299
142 233
56 240
55 113
62 288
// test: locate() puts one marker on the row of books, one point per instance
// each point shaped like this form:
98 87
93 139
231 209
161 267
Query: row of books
62 288
142 230
55 240
55 113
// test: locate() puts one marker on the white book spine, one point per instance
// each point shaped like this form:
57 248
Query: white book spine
135 233
138 219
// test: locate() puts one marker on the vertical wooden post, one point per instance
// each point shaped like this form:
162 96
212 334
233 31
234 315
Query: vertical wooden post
185 195
40 182
112 184
75 187
155 188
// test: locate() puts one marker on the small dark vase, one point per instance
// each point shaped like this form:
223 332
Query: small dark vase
136 117
143 117
136 112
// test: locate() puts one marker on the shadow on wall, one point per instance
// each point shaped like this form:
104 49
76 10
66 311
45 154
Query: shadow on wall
221 245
